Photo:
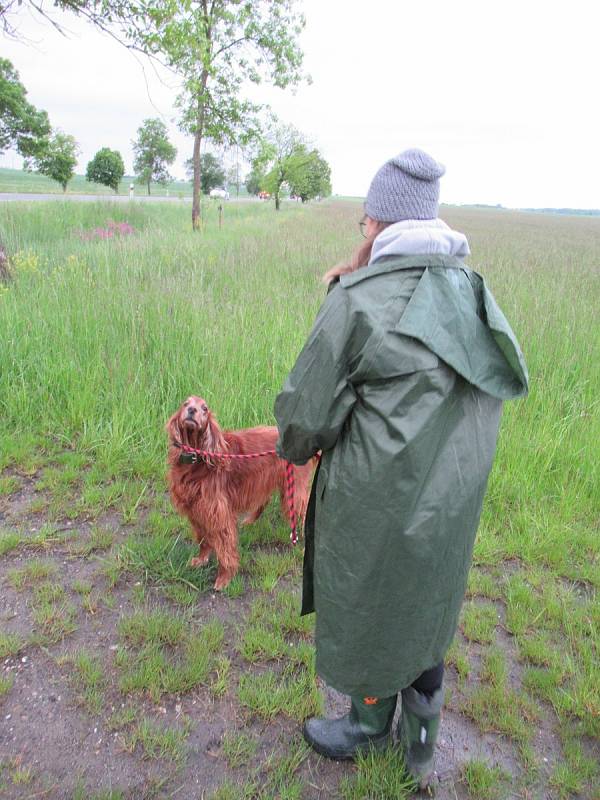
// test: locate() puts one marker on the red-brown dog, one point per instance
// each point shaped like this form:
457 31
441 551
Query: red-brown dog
212 493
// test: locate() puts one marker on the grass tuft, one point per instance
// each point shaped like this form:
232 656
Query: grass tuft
155 742
9 540
238 748
292 693
380 775
10 644
484 782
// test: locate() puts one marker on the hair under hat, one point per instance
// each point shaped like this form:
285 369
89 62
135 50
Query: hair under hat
406 187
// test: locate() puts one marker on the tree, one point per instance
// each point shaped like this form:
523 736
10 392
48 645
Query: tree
107 168
105 15
153 153
254 181
233 177
216 46
22 126
278 157
309 174
58 160
212 169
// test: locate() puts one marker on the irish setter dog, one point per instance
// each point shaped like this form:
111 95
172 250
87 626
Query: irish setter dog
213 492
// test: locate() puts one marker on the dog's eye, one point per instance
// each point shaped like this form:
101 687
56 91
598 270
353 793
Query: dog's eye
204 408
187 402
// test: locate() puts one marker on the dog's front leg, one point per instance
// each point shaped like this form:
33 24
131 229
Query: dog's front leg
205 549
227 554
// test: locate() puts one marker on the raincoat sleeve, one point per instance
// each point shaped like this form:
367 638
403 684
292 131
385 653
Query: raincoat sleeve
317 396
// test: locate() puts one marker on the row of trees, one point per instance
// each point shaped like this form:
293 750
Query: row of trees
214 47
49 152
280 155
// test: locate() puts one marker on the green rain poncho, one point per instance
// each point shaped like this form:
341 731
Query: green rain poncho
400 385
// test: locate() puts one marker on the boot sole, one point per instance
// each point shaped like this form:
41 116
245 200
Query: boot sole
376 743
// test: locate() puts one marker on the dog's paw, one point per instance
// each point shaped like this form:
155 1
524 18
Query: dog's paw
198 561
222 581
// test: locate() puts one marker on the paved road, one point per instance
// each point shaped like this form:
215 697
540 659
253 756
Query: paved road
120 198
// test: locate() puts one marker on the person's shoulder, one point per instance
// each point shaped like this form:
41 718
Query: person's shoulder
333 283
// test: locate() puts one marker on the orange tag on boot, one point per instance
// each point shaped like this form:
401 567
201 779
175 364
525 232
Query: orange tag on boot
370 701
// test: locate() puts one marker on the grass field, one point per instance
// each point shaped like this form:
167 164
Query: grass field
122 675
17 180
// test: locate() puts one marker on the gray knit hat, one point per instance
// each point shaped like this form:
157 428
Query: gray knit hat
406 187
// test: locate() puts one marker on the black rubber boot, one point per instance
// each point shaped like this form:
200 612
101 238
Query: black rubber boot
368 724
418 730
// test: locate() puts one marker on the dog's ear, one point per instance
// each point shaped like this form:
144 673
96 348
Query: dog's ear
173 428
213 435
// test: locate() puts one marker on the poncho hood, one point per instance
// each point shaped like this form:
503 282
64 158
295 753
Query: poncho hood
453 313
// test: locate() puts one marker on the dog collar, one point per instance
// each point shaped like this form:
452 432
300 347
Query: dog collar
188 458
185 457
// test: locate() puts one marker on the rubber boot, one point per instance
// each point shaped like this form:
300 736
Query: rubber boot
418 730
368 724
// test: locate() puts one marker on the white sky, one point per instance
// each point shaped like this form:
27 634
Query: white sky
505 93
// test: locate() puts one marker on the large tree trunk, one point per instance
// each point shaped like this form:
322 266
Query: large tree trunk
196 221
196 187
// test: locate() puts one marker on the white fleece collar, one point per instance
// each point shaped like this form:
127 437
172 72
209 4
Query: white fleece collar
411 237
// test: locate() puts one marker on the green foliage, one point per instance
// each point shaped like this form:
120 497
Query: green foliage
153 153
212 171
254 181
106 167
280 155
58 159
21 125
310 174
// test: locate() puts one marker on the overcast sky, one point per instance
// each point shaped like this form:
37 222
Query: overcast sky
504 94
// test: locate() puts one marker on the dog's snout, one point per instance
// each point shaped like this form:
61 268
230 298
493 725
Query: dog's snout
191 411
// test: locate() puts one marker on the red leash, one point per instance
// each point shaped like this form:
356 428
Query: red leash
193 454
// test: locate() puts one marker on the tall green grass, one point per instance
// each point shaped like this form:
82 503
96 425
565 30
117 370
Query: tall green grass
102 339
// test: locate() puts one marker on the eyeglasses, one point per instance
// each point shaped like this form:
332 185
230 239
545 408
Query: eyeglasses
363 226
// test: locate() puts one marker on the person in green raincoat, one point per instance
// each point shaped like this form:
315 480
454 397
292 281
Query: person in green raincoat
400 388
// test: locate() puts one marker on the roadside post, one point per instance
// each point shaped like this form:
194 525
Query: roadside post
131 186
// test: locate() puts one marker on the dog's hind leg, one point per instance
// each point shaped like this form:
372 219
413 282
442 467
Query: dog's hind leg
252 516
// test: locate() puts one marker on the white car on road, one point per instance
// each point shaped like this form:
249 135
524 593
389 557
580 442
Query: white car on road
219 194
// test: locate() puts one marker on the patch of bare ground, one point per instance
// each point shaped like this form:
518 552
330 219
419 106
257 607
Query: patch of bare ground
68 724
